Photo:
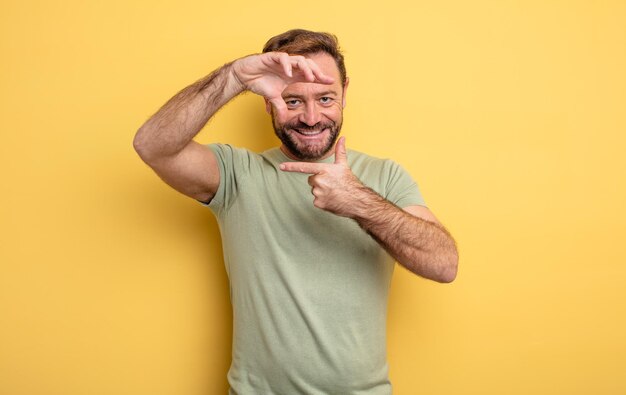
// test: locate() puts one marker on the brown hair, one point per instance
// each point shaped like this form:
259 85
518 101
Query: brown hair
305 42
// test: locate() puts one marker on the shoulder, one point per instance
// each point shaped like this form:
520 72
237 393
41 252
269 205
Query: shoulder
366 164
231 156
229 150
386 177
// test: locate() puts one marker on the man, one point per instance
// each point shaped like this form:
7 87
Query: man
310 230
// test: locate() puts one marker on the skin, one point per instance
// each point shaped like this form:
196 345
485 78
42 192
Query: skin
305 97
311 108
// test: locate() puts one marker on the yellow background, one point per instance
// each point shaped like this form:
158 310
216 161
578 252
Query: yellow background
510 115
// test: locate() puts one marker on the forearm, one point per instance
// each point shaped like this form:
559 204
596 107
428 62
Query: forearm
423 247
172 127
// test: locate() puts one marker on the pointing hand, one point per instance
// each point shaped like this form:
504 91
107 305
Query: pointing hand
334 187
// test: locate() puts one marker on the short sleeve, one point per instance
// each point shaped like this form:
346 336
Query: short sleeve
401 189
232 163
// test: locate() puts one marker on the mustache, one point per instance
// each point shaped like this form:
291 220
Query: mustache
303 126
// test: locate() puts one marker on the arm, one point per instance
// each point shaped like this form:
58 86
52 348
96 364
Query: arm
423 246
412 236
165 141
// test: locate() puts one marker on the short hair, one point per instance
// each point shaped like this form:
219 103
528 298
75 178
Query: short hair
305 42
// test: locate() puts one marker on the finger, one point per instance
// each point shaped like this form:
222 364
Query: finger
315 191
319 74
301 63
282 58
303 167
280 106
341 156
317 195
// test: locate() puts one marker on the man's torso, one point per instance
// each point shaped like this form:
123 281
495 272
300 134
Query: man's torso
308 288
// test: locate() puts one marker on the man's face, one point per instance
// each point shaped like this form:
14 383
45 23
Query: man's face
314 114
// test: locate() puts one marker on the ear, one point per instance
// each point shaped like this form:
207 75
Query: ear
345 90
268 105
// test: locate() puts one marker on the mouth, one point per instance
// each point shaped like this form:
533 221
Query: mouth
309 133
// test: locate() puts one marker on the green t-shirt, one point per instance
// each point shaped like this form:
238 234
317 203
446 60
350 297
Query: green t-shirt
308 288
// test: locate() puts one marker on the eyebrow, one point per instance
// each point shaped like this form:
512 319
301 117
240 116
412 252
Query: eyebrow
324 93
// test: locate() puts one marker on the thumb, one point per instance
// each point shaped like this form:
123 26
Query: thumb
280 106
340 151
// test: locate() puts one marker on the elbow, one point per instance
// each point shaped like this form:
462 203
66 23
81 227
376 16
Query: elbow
439 268
140 145
447 276
450 270
150 147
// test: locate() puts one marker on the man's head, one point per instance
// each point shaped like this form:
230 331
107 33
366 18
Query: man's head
315 111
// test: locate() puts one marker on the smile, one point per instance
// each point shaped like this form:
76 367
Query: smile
309 133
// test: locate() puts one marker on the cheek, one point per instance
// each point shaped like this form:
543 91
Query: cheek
333 112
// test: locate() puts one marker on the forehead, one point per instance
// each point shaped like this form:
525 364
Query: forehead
328 66
326 63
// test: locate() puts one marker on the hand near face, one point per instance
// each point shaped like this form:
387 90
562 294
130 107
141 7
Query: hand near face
334 187
270 73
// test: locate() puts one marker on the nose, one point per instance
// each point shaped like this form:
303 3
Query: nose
310 114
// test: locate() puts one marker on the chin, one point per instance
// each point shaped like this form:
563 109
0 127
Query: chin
309 152
306 150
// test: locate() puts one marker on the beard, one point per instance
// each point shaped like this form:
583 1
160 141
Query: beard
307 151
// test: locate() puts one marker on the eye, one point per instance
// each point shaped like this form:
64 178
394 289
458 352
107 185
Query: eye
292 103
326 100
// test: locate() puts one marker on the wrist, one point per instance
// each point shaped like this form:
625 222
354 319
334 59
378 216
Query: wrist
364 202
234 81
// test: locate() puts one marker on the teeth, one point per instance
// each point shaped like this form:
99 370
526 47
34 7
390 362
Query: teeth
310 133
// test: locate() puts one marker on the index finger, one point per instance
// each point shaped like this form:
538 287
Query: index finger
319 74
303 167
282 58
